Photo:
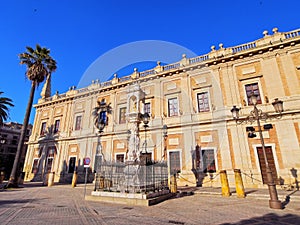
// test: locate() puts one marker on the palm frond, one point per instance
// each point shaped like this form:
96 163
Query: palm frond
38 48
29 49
4 103
39 63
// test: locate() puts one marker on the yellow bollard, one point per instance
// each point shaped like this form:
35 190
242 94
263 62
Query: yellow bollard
51 179
224 183
101 182
239 186
74 179
173 184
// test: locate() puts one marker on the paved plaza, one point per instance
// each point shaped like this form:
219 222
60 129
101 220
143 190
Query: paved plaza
62 204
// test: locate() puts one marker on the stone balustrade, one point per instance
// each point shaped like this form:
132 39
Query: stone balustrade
199 59
171 66
276 37
243 47
147 72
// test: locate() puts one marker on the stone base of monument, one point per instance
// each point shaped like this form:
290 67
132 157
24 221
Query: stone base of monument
142 199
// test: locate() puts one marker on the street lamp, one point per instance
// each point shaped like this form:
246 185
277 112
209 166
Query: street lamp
145 118
257 114
165 135
100 121
2 141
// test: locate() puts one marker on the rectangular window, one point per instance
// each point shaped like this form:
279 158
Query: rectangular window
103 117
203 102
35 166
147 108
145 158
208 160
175 166
78 123
120 158
49 164
122 115
98 162
43 128
173 107
198 157
14 142
72 164
56 126
252 89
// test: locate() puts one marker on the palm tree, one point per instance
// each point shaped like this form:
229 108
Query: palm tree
39 66
4 103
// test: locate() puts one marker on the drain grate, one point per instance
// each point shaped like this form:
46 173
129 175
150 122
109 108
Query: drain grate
176 222
129 208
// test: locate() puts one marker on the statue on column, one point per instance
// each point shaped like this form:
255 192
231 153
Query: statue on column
134 97
134 143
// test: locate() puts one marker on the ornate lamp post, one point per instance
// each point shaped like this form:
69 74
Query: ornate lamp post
257 115
2 141
100 121
145 118
165 135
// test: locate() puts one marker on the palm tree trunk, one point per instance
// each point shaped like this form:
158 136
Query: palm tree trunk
15 172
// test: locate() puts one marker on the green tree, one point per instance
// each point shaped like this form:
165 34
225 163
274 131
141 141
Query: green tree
39 65
4 103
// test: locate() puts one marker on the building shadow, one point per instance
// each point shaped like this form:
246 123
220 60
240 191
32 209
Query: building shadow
197 166
270 218
43 162
294 174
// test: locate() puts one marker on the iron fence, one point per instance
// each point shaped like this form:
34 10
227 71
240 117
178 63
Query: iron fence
132 177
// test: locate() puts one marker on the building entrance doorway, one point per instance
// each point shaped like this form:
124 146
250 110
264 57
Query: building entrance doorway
271 162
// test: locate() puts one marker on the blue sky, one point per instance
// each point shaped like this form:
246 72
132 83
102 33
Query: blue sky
78 32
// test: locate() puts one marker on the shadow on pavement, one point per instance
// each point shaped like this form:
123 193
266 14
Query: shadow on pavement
20 186
18 201
249 192
288 199
270 218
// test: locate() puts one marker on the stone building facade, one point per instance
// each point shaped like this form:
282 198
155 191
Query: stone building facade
9 139
194 98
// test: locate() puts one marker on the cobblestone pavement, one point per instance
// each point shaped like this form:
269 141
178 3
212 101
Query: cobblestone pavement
62 204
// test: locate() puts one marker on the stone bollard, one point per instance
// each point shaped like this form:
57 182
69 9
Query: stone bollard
173 184
224 183
74 179
51 179
239 186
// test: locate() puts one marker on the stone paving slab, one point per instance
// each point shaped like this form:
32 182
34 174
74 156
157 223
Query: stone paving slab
62 204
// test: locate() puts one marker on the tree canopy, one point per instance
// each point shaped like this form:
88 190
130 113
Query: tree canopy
4 104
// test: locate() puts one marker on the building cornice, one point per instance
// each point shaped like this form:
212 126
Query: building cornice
269 43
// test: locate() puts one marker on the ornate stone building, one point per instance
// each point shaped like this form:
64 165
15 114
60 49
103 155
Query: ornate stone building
194 98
